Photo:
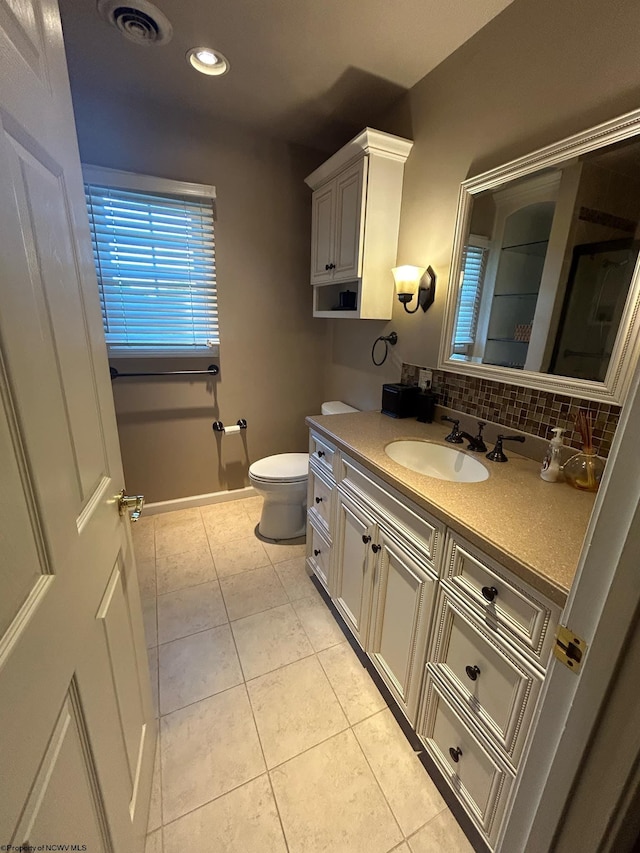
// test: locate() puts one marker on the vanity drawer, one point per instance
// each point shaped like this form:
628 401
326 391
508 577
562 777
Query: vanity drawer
318 555
320 497
322 452
474 771
497 688
505 605
394 509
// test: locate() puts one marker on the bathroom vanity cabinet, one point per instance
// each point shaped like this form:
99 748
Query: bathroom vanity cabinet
355 217
460 641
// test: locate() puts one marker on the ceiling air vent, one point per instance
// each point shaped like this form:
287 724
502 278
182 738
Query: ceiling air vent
140 22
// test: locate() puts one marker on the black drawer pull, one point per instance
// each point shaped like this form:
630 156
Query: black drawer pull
318 500
366 539
321 453
489 592
375 548
455 753
316 552
472 671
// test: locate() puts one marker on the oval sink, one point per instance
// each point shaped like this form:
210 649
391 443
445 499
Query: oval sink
434 460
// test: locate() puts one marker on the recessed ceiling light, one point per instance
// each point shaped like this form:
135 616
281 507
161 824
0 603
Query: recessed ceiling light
208 61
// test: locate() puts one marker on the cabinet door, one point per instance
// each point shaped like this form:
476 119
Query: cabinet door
322 227
349 222
403 602
353 566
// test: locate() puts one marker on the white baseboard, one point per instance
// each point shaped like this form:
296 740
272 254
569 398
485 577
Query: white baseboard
198 500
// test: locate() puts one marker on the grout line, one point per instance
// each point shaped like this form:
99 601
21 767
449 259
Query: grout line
275 800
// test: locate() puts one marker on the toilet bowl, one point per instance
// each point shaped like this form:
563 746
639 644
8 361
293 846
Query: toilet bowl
281 481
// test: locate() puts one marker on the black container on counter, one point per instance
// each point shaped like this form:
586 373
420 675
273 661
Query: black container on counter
399 401
426 406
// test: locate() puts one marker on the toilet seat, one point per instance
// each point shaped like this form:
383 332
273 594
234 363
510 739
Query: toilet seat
281 468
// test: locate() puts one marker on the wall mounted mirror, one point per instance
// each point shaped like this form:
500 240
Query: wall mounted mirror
545 283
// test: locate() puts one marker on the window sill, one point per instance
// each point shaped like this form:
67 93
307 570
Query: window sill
168 353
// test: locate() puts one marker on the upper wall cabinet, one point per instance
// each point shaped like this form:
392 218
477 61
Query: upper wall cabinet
357 195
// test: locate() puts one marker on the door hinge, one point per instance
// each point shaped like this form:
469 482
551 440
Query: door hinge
569 648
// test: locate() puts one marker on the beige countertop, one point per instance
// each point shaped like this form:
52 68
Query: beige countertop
533 528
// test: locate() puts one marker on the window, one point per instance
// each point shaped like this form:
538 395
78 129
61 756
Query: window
154 251
474 261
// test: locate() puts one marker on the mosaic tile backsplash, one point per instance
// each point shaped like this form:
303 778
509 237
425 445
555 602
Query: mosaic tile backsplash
525 409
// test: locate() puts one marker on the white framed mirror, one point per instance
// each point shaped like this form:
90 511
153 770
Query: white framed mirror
545 276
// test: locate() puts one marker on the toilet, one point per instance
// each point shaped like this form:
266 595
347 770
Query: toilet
281 480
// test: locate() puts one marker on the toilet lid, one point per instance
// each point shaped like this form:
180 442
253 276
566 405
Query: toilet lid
282 467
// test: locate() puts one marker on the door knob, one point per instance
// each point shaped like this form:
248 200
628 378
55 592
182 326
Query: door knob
134 502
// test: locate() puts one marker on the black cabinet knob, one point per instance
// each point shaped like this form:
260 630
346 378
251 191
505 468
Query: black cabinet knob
321 453
316 552
318 500
366 539
472 671
489 592
375 548
332 266
455 752
326 266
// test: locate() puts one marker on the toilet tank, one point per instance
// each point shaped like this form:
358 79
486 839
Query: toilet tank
336 407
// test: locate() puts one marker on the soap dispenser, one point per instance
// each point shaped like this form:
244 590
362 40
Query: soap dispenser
551 467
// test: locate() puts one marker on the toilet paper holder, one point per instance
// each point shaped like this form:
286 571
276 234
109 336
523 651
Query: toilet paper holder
218 426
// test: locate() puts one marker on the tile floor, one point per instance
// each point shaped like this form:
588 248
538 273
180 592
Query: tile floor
273 737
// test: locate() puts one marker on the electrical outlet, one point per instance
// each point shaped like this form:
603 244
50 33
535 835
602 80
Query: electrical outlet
425 379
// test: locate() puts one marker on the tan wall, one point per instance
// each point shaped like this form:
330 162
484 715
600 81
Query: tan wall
272 351
538 72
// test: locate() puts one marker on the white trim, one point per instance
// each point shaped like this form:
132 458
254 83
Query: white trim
165 353
159 507
369 141
146 183
626 351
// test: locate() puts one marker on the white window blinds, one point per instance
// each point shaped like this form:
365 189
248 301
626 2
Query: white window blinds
155 260
474 261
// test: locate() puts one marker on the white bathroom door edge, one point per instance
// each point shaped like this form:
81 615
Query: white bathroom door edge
601 609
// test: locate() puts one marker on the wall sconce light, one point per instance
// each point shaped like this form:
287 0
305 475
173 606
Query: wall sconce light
415 281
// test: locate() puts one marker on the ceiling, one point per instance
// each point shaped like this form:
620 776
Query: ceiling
310 72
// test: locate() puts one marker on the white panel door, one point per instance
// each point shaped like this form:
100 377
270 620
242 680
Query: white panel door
403 603
77 729
322 224
349 227
354 561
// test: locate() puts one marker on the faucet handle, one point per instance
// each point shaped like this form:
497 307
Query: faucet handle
478 444
454 436
497 454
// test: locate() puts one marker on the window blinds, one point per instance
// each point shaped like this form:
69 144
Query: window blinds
155 261
474 261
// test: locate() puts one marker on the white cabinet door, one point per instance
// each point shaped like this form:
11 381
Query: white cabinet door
354 559
349 222
403 602
322 234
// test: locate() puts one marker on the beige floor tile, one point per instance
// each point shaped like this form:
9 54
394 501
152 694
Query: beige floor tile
270 640
280 552
150 620
198 666
152 655
403 848
188 610
180 537
186 569
144 546
318 622
229 530
240 555
155 806
295 708
253 508
440 835
153 842
354 688
207 750
413 797
242 821
295 579
146 570
252 592
180 517
329 800
214 515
